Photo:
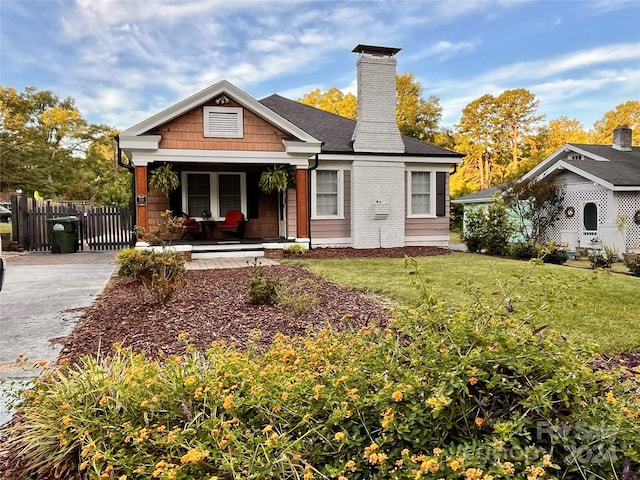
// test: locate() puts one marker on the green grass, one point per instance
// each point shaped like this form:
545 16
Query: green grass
455 237
602 308
5 227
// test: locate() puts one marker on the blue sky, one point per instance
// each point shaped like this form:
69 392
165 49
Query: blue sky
125 60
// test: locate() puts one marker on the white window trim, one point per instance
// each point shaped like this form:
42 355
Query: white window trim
214 203
340 215
432 193
239 131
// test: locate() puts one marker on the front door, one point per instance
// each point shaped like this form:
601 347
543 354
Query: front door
589 223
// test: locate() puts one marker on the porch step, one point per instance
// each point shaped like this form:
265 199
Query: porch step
227 250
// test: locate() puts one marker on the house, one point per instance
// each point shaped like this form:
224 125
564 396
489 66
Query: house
356 183
602 199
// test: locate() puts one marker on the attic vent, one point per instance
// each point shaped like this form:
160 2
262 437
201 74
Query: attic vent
224 122
575 156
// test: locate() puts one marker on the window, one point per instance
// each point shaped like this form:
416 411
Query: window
421 194
214 192
198 194
229 193
328 195
223 122
590 216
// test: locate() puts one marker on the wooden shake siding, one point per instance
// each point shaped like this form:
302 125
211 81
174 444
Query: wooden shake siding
336 228
186 132
266 225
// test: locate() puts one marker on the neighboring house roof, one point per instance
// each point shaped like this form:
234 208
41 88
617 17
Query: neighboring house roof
481 196
603 164
336 132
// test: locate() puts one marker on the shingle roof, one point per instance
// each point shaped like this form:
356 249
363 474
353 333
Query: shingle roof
336 131
481 196
622 169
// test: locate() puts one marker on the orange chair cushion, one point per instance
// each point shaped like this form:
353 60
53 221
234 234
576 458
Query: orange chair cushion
233 218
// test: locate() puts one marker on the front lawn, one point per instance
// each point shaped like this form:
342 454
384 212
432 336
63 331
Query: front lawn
604 307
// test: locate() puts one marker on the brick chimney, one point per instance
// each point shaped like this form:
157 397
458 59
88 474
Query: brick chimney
622 138
376 128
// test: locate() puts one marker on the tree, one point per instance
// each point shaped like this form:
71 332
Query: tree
497 134
333 100
627 113
46 145
416 117
537 205
563 130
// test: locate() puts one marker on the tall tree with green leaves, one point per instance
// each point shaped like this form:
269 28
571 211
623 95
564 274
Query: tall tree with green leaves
498 134
627 113
46 146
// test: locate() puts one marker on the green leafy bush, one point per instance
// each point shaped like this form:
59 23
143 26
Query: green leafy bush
489 231
444 393
598 260
525 250
632 261
557 256
159 274
262 289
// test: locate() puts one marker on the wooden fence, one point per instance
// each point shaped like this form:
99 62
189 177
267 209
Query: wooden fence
99 228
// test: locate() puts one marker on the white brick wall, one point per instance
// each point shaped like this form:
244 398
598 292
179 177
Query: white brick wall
371 182
376 129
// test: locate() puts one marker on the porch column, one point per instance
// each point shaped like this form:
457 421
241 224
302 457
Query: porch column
142 218
302 203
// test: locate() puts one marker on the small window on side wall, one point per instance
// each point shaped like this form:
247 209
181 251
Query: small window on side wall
421 193
328 194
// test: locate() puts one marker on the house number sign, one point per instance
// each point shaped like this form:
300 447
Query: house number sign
141 199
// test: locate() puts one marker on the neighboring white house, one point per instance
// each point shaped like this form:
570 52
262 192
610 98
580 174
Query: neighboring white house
602 200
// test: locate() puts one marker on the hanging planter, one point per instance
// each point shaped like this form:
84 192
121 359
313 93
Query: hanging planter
164 179
274 179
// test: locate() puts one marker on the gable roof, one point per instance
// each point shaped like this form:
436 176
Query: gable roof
336 132
481 196
603 164
199 98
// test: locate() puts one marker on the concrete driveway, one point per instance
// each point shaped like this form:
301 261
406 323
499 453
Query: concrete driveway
37 303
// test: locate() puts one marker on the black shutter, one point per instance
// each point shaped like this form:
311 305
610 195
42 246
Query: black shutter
441 194
253 195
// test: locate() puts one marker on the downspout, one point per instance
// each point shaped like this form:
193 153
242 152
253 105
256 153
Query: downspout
132 240
310 169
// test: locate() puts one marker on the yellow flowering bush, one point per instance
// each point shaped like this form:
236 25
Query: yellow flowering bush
393 403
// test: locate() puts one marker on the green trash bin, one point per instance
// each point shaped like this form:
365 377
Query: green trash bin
63 234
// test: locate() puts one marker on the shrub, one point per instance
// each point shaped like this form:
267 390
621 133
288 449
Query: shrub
489 232
297 298
632 261
598 260
295 249
557 256
525 250
262 289
446 393
159 275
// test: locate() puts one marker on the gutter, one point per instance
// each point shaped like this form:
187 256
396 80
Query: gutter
310 169
131 168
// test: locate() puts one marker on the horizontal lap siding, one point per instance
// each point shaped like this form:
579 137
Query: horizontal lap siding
336 228
291 214
421 227
187 133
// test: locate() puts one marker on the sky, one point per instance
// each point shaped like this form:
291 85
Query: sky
123 61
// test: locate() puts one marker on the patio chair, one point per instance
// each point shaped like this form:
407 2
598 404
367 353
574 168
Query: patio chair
233 223
190 228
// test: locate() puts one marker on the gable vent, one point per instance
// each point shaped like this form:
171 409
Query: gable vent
575 156
223 122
